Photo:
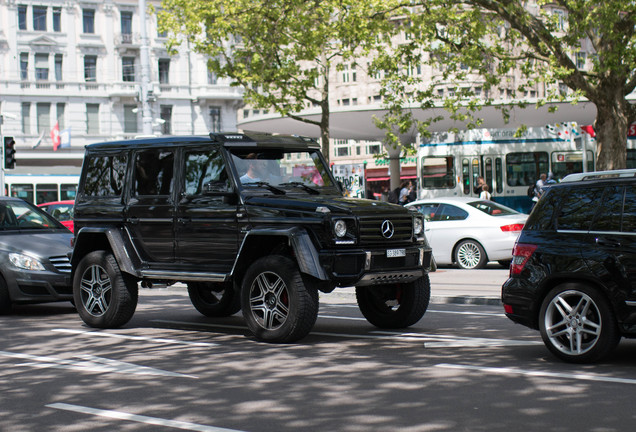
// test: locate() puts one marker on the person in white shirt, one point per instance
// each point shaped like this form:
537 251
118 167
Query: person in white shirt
485 195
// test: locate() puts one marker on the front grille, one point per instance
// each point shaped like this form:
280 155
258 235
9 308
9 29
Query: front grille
371 230
61 263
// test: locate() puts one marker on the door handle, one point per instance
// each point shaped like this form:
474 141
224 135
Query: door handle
133 220
608 242
184 221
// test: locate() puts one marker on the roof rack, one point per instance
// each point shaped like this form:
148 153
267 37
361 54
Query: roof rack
600 175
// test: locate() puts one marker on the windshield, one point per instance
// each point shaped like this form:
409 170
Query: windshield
22 215
282 169
492 208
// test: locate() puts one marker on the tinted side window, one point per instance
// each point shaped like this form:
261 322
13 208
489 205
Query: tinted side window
204 170
105 175
609 214
153 172
450 212
629 213
578 208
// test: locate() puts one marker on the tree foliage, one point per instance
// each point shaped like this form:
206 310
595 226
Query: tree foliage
281 52
565 50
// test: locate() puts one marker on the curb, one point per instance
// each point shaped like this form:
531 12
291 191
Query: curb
474 300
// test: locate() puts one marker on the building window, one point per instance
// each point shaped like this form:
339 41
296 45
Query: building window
166 116
57 19
58 67
215 119
43 112
39 18
373 149
42 67
128 69
130 119
90 68
126 27
92 119
88 20
24 66
212 79
22 17
581 59
164 71
26 118
61 117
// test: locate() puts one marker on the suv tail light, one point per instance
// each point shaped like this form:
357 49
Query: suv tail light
520 255
513 227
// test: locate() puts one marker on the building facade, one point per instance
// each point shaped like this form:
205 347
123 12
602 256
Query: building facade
74 68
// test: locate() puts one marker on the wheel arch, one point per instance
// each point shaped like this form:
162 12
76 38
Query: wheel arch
114 240
292 242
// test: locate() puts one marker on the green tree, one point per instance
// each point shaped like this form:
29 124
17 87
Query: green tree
282 52
567 49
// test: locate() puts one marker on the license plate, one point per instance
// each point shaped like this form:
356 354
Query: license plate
395 253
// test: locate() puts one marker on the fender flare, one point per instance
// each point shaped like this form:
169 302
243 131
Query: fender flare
119 242
299 240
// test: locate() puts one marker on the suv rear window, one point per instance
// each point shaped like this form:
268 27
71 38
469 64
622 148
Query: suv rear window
578 207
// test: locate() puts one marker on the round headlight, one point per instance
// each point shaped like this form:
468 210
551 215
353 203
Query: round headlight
418 225
340 228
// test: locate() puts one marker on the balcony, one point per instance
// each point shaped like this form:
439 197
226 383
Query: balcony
127 40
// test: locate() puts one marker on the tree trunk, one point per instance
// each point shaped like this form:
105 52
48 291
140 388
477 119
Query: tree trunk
611 127
394 165
325 111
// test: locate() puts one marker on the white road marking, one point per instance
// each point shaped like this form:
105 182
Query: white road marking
88 363
131 337
431 341
542 374
156 421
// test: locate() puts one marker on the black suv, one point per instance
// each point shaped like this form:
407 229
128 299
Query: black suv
573 273
254 223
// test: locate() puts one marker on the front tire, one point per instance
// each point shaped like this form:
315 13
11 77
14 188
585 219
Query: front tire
469 254
397 305
104 297
5 299
276 303
214 299
577 324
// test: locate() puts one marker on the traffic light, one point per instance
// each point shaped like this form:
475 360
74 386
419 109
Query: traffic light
9 153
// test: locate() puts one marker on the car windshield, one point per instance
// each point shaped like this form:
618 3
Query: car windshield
492 208
282 170
22 215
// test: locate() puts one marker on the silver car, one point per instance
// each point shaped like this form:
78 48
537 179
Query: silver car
34 256
470 232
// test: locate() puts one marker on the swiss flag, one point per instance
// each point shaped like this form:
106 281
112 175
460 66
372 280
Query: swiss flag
55 136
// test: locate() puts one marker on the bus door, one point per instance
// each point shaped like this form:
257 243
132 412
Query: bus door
490 167
471 170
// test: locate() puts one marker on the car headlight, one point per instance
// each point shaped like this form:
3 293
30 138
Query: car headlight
340 228
25 262
418 225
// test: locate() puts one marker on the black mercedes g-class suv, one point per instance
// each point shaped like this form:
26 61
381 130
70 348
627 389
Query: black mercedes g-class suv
254 223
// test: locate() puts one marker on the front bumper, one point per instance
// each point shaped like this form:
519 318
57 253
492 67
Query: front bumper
38 286
373 266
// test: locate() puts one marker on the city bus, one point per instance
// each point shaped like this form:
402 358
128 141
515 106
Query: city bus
41 188
449 164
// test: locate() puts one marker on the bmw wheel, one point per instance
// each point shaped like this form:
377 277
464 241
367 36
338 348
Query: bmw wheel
469 254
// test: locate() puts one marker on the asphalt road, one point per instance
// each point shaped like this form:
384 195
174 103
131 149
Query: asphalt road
463 367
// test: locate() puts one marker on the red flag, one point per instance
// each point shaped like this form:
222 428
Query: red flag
589 130
55 136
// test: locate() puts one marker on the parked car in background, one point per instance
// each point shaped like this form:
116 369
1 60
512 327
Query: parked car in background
60 210
470 232
34 256
573 274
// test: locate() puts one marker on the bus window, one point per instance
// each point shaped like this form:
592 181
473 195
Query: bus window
438 172
570 162
498 175
523 169
24 191
475 172
45 193
68 192
488 173
466 176
631 159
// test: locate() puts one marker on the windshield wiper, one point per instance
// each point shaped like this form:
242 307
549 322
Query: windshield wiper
266 185
302 186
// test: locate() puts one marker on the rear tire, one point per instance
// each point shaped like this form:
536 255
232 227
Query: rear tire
103 295
397 305
469 254
276 303
214 299
577 324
